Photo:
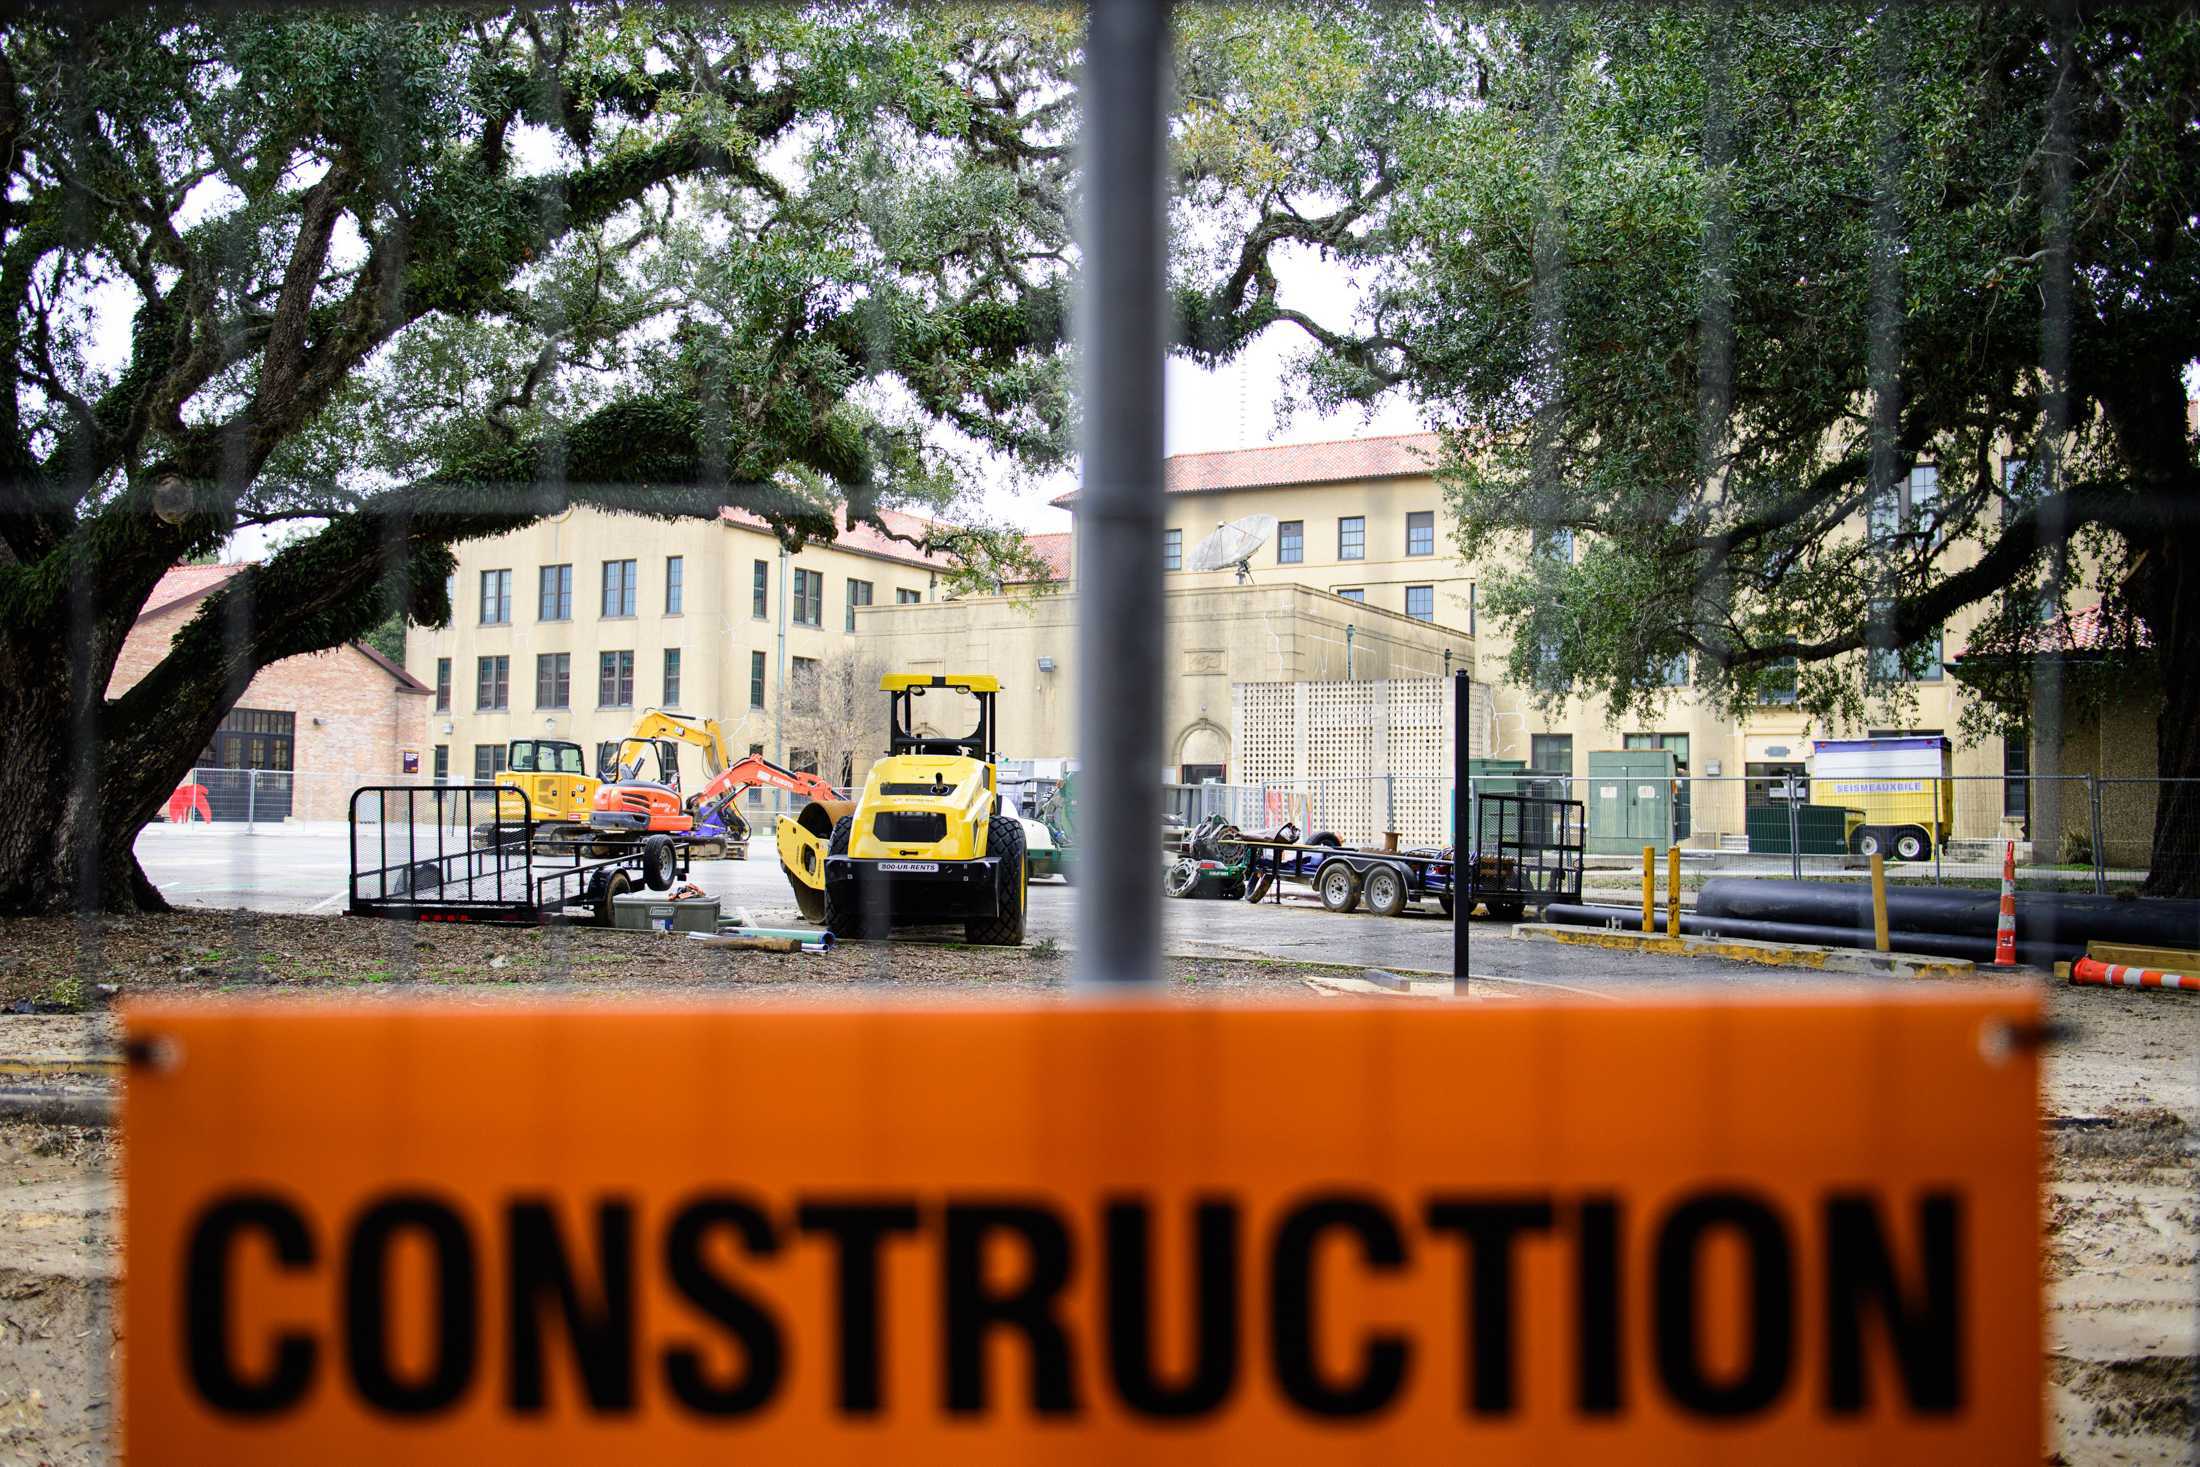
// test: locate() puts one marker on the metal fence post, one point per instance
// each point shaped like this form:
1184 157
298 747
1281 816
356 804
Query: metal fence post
1390 802
1123 342
2100 853
1795 829
251 798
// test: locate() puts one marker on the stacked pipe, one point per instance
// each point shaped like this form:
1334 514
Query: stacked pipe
1931 921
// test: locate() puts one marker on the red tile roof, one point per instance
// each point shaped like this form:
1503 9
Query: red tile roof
184 583
1340 461
2073 634
1054 550
865 538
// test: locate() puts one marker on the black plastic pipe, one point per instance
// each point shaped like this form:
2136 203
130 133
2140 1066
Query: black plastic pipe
2056 918
2034 953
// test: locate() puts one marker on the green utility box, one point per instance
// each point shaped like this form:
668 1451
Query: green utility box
648 912
1821 830
1632 799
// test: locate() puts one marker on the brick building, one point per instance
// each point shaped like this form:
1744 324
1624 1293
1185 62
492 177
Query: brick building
308 729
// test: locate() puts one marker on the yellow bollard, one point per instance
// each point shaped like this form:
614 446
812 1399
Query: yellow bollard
1649 888
1879 902
1672 891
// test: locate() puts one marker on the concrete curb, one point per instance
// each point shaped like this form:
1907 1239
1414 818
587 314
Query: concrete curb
1748 950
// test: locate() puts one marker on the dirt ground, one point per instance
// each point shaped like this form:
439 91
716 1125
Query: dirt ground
2120 1102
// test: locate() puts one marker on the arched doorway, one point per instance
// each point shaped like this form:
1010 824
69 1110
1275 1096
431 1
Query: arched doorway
1203 755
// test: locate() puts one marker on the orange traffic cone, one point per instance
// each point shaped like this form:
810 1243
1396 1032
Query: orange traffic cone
2005 930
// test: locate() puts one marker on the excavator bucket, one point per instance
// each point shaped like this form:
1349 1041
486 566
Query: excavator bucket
802 840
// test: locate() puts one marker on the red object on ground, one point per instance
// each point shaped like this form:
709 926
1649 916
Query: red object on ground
2123 975
2005 928
189 799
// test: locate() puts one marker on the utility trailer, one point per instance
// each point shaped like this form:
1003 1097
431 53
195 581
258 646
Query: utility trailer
473 853
1527 852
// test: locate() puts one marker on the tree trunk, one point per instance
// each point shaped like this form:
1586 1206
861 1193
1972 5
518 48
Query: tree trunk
2173 597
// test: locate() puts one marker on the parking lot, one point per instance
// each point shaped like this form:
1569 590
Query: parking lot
302 868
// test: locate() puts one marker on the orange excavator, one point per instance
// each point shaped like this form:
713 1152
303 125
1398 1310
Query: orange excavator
629 804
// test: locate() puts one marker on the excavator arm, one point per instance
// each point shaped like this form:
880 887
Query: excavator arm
754 770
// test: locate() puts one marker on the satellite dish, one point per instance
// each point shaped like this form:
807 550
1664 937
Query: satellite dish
1233 544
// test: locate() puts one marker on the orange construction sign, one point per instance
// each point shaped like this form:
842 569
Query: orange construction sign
1708 1232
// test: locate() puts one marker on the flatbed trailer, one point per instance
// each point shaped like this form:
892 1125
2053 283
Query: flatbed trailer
473 853
1529 854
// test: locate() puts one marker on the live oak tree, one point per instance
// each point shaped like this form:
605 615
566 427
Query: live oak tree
1694 288
397 280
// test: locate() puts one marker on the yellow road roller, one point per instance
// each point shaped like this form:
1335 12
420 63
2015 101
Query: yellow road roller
926 842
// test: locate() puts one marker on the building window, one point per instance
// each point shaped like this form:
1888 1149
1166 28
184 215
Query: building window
488 762
1776 686
1291 542
907 597
1355 593
1421 603
802 761
2016 776
1557 545
672 677
1910 505
252 738
859 594
442 764
1352 538
756 679
809 598
554 680
1172 550
619 582
756 751
804 683
492 684
496 598
615 680
443 685
2022 483
554 599
675 584
1421 532
1551 754
1887 664
1676 671
760 585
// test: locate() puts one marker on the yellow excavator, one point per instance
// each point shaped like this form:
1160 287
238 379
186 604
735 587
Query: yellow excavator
628 804
927 841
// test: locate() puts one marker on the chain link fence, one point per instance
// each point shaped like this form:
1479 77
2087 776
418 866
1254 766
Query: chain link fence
2064 832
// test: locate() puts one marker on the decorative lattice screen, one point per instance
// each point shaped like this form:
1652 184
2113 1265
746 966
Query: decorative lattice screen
1356 758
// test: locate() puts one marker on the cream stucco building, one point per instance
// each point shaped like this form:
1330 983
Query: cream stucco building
1364 520
569 628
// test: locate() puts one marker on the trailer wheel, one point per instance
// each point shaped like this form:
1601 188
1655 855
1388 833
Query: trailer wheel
1871 841
1385 891
1446 903
1180 878
604 890
659 861
1912 844
1339 886
1259 885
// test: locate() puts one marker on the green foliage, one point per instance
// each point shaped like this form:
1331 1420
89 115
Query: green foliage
1697 285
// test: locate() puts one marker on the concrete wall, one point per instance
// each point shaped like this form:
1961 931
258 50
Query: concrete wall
1217 635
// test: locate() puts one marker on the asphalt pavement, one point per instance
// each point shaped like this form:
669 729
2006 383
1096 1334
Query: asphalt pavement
303 867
